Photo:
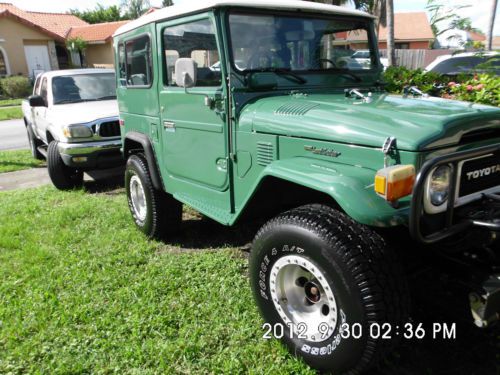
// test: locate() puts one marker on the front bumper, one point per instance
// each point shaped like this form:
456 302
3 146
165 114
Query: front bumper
92 155
484 212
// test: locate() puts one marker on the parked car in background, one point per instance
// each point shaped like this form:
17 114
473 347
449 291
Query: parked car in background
72 120
466 63
362 57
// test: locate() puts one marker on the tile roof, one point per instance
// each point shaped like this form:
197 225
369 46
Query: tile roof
56 25
409 26
97 32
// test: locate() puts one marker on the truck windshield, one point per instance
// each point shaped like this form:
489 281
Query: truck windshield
300 43
83 87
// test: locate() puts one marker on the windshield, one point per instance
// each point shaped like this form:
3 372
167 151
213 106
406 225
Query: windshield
83 87
300 43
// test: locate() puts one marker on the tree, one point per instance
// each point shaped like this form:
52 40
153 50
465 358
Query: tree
167 3
391 53
489 36
99 14
442 14
135 8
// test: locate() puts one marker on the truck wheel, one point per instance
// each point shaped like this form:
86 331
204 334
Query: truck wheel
329 288
34 143
62 176
156 214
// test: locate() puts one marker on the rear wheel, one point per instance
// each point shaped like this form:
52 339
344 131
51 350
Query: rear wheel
327 280
34 143
62 176
156 213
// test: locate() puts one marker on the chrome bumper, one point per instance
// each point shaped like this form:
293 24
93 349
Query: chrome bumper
92 155
74 149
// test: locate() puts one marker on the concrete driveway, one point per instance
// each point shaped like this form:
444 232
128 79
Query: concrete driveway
13 135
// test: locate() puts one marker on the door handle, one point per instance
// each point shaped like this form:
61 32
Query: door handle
169 126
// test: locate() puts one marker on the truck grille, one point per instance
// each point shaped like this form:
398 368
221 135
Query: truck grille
109 129
479 174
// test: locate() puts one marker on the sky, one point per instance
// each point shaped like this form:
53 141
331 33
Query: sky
478 12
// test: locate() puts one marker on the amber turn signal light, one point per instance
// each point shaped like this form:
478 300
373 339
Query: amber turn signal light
395 182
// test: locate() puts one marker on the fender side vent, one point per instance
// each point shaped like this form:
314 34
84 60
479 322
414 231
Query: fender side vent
265 153
295 109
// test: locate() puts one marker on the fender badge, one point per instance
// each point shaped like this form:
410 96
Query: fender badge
322 151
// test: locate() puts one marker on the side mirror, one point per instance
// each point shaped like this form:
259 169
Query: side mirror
36 101
185 72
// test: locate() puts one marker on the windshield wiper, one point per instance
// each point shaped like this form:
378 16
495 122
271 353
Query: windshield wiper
69 101
106 97
286 73
347 73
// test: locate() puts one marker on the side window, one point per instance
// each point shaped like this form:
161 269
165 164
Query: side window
138 62
195 40
43 90
36 91
122 66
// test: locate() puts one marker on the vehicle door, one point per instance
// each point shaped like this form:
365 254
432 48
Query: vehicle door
40 113
194 138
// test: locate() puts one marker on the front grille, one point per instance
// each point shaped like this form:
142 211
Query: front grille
479 174
109 129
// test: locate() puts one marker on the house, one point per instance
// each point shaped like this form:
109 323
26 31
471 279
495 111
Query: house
99 39
33 42
458 39
495 44
412 30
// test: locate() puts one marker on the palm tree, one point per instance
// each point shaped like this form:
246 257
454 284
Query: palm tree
391 53
489 37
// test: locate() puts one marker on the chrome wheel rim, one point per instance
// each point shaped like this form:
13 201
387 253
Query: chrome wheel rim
138 198
303 298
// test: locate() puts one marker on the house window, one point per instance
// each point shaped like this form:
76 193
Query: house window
402 45
138 62
3 64
195 40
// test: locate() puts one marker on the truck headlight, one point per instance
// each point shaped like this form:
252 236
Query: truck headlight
439 186
77 131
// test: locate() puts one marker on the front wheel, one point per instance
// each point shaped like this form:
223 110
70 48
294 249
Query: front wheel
328 281
157 214
62 176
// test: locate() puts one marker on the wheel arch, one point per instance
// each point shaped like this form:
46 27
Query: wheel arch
137 142
345 187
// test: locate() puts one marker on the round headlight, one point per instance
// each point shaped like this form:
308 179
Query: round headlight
439 186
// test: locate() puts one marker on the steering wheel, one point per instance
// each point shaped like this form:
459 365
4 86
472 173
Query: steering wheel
328 61
255 60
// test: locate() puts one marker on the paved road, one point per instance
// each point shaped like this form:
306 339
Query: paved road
34 177
13 135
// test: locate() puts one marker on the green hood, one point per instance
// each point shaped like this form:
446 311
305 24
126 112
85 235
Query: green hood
417 123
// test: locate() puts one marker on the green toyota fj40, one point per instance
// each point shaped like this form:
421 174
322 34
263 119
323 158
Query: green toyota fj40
263 107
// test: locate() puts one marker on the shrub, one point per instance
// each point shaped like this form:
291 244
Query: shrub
397 77
483 88
15 86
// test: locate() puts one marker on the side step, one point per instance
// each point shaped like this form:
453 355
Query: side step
42 150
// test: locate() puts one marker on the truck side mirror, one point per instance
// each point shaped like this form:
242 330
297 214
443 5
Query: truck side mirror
36 101
185 72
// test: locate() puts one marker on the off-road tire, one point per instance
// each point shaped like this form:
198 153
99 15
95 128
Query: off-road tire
62 176
163 213
367 281
34 143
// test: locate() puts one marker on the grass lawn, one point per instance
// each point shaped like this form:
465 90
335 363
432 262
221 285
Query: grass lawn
82 291
10 113
16 160
10 102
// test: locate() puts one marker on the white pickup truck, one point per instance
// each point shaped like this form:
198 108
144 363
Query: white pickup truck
72 120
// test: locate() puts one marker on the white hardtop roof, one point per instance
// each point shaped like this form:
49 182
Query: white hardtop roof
198 6
72 72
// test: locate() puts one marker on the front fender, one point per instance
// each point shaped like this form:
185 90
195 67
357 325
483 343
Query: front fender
350 186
